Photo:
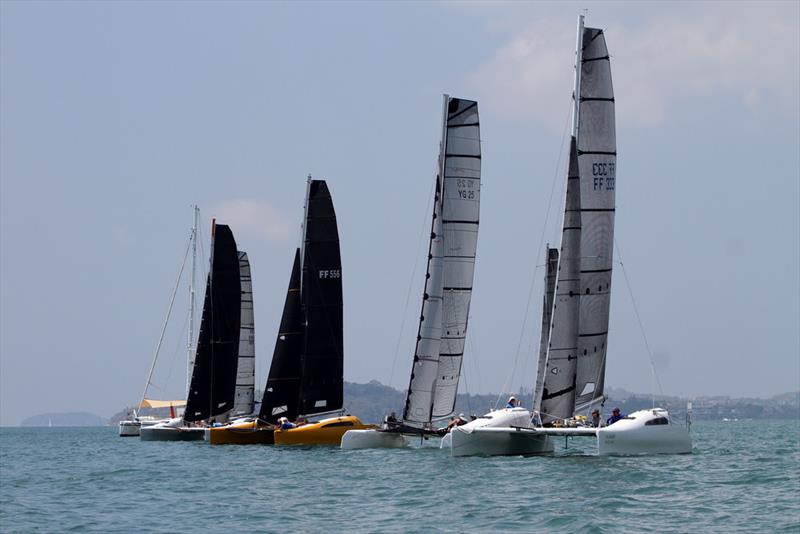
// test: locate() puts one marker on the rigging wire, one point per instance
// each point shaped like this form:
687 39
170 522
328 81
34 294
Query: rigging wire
166 321
426 221
655 378
507 383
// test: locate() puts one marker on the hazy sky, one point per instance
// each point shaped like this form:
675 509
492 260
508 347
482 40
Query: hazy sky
115 117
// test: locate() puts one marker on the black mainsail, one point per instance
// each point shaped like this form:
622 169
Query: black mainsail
322 359
212 388
306 376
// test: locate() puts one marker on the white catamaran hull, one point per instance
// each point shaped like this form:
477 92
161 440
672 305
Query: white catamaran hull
131 427
644 432
499 433
373 439
499 442
172 430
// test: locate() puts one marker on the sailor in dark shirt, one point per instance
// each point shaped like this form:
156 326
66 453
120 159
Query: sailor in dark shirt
615 416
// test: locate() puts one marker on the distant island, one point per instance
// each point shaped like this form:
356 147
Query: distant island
65 419
373 400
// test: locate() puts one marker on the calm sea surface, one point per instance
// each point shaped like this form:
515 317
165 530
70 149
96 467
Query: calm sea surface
743 476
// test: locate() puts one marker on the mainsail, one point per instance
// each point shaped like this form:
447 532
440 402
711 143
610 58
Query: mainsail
451 260
246 371
212 387
322 362
281 394
576 356
597 157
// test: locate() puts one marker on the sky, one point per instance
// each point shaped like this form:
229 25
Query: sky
116 117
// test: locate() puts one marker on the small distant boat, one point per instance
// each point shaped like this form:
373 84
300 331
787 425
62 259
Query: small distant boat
439 351
213 386
571 370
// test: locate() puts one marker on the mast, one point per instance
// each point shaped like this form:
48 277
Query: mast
577 90
419 396
190 337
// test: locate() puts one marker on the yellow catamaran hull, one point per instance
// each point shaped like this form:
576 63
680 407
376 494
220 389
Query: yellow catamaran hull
326 432
247 433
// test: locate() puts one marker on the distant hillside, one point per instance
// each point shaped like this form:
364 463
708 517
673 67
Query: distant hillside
373 400
64 419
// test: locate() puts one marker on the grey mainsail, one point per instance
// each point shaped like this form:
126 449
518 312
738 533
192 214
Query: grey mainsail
558 393
597 157
460 219
576 355
246 370
551 274
451 261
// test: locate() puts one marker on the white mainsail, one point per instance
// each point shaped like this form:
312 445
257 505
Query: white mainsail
245 372
451 260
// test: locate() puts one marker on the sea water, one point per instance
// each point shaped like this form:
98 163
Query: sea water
743 476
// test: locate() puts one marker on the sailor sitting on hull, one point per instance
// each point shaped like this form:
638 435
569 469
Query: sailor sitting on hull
285 424
390 422
512 403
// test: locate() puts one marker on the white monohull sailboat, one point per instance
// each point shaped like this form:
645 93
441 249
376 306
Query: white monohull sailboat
132 427
436 368
571 369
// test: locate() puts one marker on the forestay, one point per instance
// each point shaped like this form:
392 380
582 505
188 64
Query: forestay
246 370
451 260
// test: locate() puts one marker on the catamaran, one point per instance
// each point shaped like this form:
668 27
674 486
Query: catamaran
436 368
212 395
572 357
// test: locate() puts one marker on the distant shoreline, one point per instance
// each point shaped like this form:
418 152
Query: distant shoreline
372 400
